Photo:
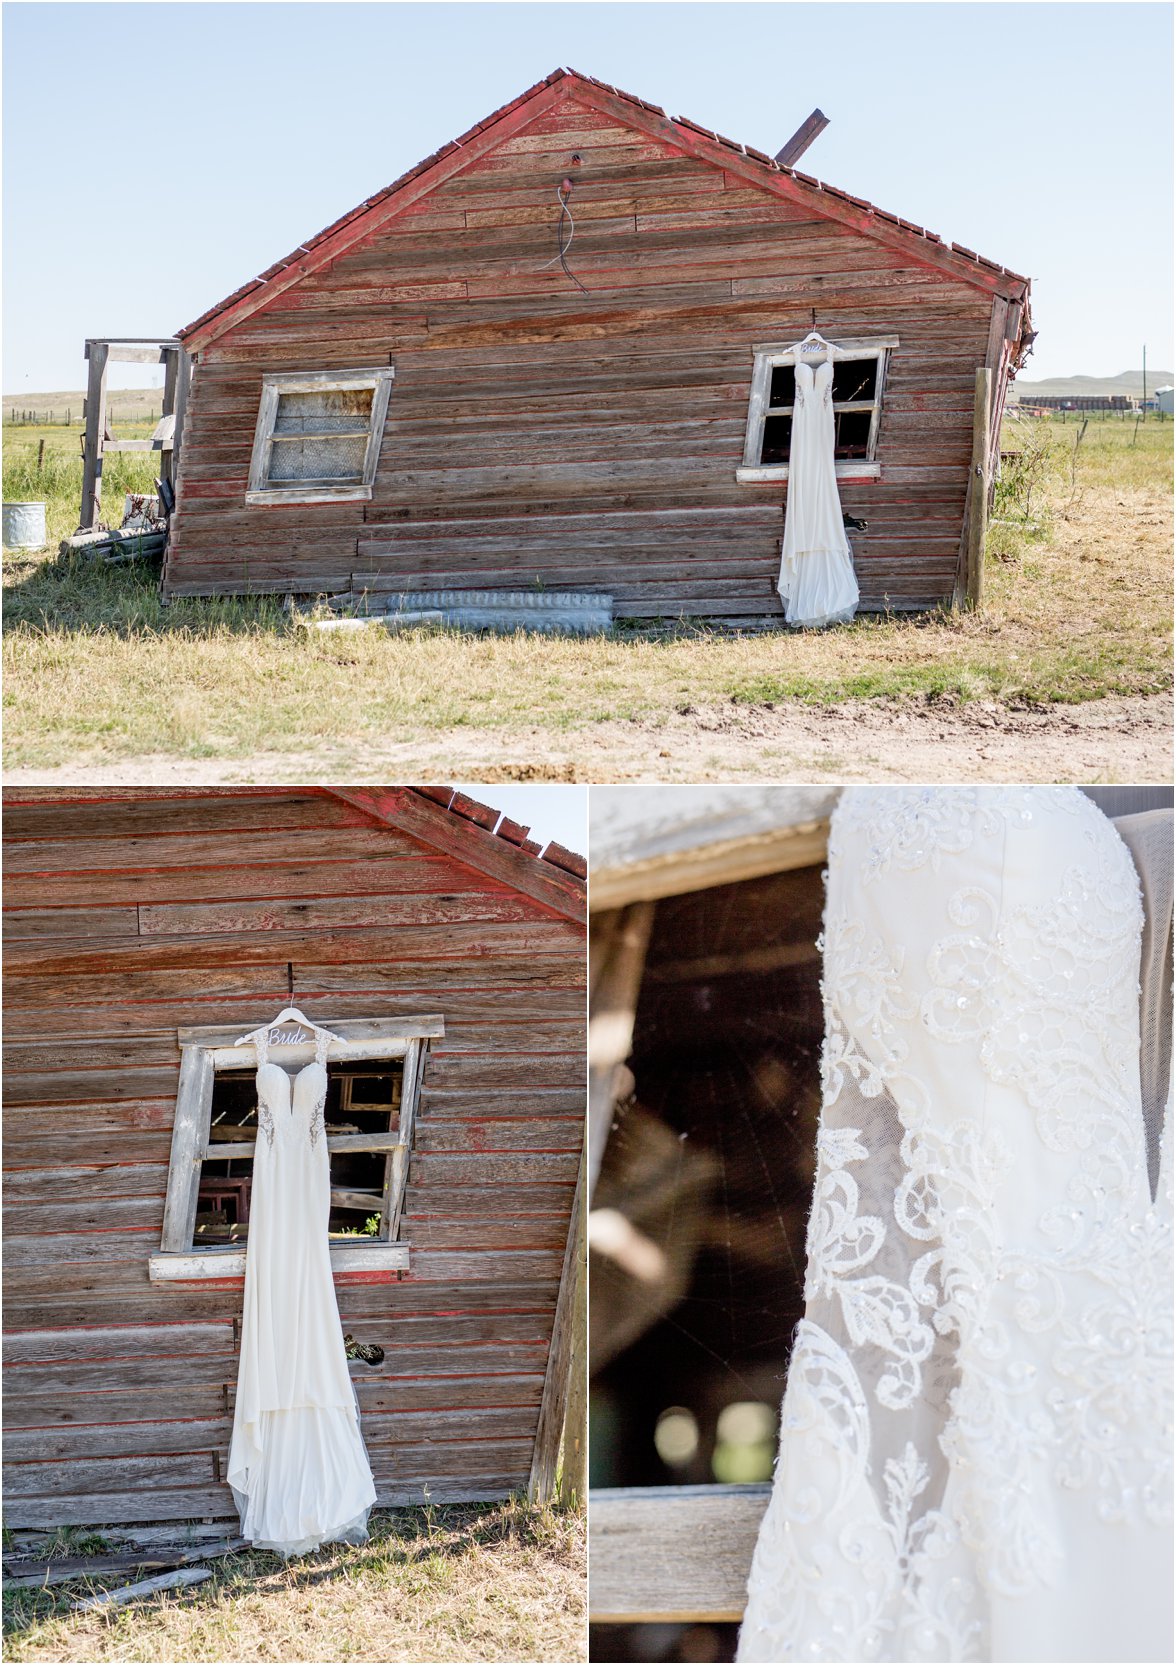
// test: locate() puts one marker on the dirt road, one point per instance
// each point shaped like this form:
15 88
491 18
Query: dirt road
1116 740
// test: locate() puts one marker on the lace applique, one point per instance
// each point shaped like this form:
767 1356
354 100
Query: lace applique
863 998
951 1332
317 1124
911 827
875 1310
265 1116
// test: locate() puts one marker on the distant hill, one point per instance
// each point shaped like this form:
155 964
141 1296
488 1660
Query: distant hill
133 403
1129 382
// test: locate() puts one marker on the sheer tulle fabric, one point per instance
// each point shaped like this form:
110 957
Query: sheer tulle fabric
297 1463
817 583
975 1444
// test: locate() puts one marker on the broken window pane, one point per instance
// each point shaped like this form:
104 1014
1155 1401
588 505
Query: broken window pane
783 386
853 433
855 379
777 439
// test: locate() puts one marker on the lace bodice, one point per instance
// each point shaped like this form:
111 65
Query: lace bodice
292 1104
814 382
976 1430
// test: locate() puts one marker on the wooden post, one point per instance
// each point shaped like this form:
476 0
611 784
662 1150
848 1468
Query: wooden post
970 591
561 1355
573 1474
616 986
96 352
183 382
171 365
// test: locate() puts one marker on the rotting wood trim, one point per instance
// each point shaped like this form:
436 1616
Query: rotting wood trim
232 1150
189 1137
772 355
561 1356
677 872
201 1265
219 1036
397 1165
853 473
206 1051
274 384
673 1554
320 494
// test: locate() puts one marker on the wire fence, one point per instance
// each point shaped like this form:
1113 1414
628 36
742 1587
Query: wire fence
72 417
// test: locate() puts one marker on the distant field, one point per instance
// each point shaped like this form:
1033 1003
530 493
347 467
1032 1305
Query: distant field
133 404
99 675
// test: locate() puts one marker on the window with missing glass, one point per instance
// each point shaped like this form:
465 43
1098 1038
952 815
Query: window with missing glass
859 377
318 435
375 1068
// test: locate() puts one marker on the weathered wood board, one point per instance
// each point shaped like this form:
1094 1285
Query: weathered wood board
673 1553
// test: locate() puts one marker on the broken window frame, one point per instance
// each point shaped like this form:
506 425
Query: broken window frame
262 490
208 1051
769 357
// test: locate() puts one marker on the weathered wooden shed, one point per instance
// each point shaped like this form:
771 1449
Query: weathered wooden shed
145 931
555 354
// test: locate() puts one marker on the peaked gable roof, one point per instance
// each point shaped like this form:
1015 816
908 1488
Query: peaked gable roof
447 820
753 166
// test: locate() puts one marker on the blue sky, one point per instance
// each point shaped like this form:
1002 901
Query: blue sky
158 155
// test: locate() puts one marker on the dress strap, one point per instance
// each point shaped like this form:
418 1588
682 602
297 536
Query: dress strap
261 1046
321 1042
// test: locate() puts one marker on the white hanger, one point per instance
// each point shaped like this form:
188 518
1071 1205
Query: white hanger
288 1014
813 342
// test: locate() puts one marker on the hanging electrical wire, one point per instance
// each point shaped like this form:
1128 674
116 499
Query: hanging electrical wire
563 192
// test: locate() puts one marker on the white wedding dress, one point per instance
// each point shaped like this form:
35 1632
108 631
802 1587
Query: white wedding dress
817 583
297 1463
975 1447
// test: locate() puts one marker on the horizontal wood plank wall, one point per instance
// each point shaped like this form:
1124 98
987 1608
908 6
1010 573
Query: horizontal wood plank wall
537 434
125 921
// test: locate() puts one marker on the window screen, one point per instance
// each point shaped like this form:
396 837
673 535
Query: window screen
318 435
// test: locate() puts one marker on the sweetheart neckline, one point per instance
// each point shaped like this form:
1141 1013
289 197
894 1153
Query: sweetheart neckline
291 1080
297 1076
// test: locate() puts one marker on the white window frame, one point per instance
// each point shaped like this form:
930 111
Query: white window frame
208 1051
261 490
772 354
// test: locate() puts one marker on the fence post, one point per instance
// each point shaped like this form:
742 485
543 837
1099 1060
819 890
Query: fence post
97 352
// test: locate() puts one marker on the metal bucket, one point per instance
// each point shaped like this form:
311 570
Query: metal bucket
24 525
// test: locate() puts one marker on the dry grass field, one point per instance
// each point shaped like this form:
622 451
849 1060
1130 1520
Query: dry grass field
1064 674
479 1583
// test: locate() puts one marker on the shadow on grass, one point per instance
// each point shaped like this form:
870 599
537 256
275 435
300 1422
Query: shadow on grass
77 595
399 1539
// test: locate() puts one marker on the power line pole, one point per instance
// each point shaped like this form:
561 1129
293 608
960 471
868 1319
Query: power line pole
1145 377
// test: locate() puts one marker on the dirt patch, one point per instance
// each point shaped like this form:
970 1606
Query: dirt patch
1109 740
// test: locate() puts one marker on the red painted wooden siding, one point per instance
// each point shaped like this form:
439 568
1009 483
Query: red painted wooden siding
124 921
539 434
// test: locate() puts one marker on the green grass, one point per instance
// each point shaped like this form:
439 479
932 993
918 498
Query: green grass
1078 599
479 1582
